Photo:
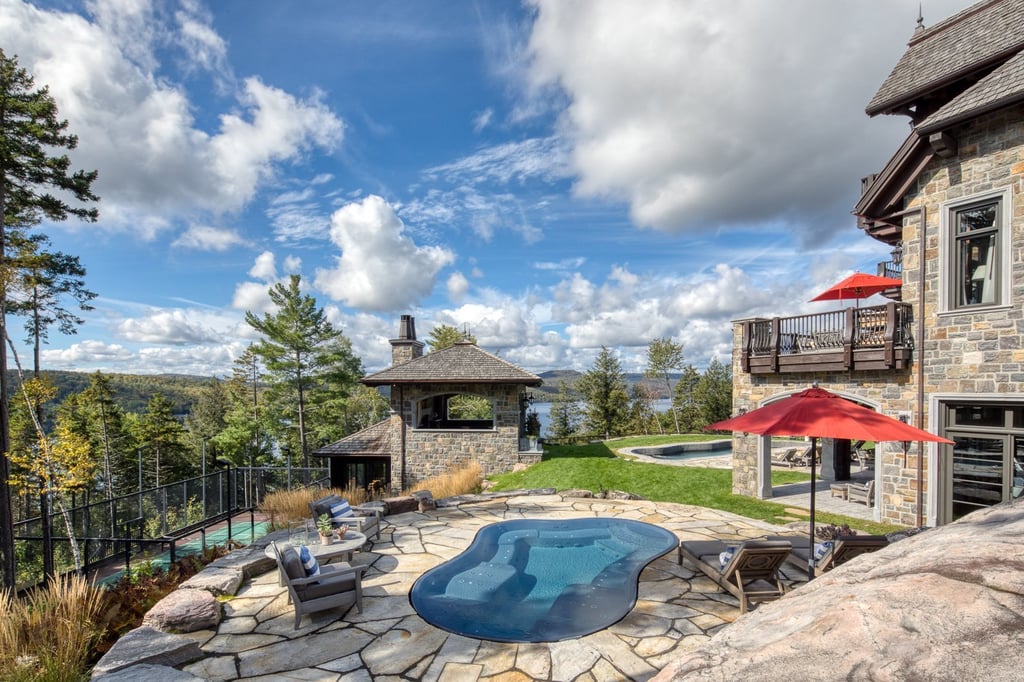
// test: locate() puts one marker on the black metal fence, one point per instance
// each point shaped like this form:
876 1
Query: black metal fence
120 528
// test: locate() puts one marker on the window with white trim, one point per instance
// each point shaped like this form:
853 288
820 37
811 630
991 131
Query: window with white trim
975 234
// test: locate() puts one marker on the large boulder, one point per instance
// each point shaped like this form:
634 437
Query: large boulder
946 604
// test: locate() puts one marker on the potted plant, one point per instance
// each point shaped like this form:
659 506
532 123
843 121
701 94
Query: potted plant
324 528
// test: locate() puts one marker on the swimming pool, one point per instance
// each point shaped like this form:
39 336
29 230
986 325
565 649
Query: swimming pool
708 448
532 580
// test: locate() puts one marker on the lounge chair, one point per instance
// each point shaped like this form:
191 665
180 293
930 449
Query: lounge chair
366 521
335 585
804 458
861 492
845 548
752 575
786 458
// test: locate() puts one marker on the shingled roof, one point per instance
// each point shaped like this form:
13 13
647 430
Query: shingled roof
965 45
463 363
373 440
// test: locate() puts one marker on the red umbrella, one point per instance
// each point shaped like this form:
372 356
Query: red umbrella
818 413
858 285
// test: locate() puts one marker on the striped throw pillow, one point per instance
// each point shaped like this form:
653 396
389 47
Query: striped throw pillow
309 562
341 510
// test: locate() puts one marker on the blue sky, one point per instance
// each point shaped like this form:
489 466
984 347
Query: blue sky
555 175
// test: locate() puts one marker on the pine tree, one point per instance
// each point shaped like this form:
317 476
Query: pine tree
604 392
301 351
35 183
566 413
713 393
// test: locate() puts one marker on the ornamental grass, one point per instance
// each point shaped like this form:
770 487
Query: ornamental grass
49 634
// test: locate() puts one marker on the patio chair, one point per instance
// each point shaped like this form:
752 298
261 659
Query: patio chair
366 521
334 586
846 547
861 492
784 459
752 575
804 458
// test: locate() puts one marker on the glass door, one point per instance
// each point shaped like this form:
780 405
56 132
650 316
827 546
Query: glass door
1017 485
978 472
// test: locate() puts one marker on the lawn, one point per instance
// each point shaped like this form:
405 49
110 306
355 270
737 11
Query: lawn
597 466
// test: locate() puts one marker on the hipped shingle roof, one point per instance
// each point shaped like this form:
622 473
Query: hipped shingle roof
463 363
373 440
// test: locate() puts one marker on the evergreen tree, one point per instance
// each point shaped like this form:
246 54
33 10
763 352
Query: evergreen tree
160 436
444 336
663 356
713 393
42 281
604 393
301 351
641 413
684 401
102 422
566 413
205 420
35 183
246 437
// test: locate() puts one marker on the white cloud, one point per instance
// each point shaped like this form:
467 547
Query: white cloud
91 351
687 110
172 326
206 238
138 128
380 268
457 286
483 119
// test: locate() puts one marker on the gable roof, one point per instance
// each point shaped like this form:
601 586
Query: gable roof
373 440
975 39
462 363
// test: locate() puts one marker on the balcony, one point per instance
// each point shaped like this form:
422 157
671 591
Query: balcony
871 338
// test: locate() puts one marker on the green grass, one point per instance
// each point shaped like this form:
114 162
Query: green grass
596 467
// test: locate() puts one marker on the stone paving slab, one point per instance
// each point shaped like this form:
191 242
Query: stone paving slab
676 610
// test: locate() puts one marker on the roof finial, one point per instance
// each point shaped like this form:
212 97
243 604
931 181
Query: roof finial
920 19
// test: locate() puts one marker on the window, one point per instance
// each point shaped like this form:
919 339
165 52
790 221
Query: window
455 411
975 234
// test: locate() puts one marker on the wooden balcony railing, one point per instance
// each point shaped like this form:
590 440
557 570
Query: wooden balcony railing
871 338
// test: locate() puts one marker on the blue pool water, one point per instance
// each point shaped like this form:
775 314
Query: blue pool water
541 581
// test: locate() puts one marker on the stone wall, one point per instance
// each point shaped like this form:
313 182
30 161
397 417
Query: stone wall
957 355
431 452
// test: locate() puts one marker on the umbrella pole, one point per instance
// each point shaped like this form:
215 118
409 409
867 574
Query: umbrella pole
810 553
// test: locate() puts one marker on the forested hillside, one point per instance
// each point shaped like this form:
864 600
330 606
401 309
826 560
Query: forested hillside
131 391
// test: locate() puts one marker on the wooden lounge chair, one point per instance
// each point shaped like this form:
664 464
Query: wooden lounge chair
366 521
336 585
861 492
784 459
845 548
804 458
751 576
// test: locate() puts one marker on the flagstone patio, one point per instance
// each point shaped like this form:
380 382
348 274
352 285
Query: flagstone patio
675 610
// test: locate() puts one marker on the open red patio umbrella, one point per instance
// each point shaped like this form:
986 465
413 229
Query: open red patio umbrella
858 285
817 413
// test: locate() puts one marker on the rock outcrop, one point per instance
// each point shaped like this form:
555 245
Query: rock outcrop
946 604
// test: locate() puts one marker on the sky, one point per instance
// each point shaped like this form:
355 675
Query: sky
554 175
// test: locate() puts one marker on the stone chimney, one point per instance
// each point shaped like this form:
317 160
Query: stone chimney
406 347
